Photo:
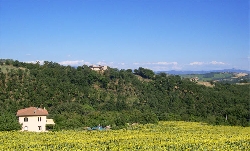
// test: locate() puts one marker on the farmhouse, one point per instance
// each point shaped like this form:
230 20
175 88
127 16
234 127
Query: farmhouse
195 79
98 68
34 119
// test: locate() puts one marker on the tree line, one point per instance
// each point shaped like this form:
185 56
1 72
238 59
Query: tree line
76 97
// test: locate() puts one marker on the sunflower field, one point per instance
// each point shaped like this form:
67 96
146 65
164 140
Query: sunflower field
162 136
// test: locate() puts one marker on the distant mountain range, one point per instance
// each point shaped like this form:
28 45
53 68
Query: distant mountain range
174 72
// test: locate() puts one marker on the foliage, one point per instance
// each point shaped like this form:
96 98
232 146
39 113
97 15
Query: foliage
9 122
145 73
76 97
163 136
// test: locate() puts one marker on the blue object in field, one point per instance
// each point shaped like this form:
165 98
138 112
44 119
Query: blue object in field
98 128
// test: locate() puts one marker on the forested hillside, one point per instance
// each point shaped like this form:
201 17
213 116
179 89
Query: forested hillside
79 97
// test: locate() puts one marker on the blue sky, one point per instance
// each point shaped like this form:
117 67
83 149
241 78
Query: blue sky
155 34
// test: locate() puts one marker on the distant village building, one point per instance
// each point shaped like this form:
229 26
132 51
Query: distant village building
195 79
98 68
34 119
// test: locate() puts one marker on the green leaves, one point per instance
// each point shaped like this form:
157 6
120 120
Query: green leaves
9 122
145 73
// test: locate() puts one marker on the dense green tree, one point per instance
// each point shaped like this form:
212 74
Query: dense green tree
9 122
145 73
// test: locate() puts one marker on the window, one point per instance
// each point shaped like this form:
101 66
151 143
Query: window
25 119
39 128
26 128
39 119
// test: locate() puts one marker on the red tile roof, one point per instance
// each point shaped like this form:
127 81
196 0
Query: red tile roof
32 111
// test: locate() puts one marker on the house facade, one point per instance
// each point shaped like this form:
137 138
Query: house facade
33 119
98 68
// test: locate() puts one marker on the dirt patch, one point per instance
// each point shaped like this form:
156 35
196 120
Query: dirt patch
243 83
240 74
143 79
207 84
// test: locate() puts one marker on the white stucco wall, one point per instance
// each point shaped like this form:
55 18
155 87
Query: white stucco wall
98 68
33 123
105 67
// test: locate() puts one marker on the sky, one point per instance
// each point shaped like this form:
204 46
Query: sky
160 35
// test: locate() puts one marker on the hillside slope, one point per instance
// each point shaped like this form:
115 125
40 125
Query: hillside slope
79 97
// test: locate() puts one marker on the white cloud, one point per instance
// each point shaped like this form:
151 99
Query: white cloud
159 66
73 63
30 62
207 63
101 63
122 64
156 63
28 54
165 68
216 63
166 63
87 63
34 62
196 63
82 62
212 65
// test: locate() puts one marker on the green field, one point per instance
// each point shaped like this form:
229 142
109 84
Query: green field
163 136
210 76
